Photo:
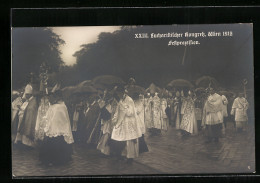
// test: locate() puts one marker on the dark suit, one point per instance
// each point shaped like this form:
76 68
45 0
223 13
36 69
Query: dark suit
93 128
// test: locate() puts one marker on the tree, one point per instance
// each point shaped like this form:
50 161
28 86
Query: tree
66 76
30 48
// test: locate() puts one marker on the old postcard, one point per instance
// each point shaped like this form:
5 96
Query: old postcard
133 100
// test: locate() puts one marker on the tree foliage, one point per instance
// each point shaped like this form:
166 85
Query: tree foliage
227 59
30 48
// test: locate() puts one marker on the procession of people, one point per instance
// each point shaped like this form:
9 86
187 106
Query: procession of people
116 119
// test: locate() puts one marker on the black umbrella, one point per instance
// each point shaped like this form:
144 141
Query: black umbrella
180 83
200 90
67 91
108 80
206 81
85 89
135 89
85 83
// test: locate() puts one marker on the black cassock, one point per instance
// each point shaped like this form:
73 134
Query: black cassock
93 127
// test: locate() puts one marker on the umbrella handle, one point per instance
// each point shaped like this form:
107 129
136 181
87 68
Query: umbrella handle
144 107
244 83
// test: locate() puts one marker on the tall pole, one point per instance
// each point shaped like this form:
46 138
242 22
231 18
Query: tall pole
43 81
144 108
245 83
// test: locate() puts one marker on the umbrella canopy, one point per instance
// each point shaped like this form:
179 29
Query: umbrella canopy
84 83
90 83
67 91
180 83
85 89
200 90
153 88
108 80
135 89
100 86
206 81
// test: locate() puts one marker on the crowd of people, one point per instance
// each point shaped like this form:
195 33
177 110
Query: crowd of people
116 122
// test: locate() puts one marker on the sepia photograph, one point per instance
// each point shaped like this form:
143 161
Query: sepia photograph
132 100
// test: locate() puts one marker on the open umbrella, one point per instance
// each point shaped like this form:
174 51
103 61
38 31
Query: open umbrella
200 90
180 83
206 81
108 80
135 89
67 91
84 83
100 86
84 89
90 83
153 88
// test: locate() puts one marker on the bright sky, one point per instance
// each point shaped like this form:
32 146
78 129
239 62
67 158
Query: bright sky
74 37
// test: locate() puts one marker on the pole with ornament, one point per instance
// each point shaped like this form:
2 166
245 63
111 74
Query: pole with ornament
44 78
44 85
244 84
